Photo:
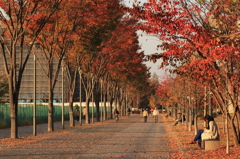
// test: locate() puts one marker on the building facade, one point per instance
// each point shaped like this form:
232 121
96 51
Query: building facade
26 94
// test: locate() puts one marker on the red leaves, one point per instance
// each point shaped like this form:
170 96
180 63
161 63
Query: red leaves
201 50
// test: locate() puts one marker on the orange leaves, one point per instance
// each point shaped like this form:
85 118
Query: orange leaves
120 51
23 141
35 21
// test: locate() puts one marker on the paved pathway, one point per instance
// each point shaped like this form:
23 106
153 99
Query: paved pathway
129 138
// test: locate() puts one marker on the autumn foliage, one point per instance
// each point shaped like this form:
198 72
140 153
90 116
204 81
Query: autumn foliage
91 37
199 41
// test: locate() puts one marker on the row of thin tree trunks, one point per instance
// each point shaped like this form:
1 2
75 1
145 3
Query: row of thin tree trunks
106 112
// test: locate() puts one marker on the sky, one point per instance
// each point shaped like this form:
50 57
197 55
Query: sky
149 45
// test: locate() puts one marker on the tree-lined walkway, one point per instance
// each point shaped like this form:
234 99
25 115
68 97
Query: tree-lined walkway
129 138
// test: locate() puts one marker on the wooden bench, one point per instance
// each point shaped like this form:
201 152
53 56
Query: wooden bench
211 144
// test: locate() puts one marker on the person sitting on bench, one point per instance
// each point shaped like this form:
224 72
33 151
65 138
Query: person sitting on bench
179 119
209 132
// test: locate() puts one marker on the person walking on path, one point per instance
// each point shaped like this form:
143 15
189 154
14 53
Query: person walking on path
129 111
145 115
155 114
77 114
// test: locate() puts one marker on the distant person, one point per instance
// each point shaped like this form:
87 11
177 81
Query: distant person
77 114
155 114
129 111
179 119
116 113
209 132
145 115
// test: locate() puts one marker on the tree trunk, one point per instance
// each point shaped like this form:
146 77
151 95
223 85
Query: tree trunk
205 105
72 77
115 104
105 108
92 105
224 125
190 119
71 114
183 116
195 124
235 136
187 118
175 112
50 107
238 124
120 107
181 110
13 113
227 136
87 117
111 113
72 82
97 101
210 104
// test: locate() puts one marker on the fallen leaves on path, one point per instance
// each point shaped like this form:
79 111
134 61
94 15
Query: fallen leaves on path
22 141
60 132
25 141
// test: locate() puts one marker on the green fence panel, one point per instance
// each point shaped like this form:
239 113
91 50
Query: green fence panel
25 114
4 116
41 111
57 113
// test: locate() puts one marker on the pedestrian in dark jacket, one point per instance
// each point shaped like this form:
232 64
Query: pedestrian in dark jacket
77 114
